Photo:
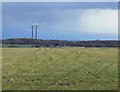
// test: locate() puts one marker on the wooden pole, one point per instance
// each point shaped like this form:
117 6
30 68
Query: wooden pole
32 35
36 31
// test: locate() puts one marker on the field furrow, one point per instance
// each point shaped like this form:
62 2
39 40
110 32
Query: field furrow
66 68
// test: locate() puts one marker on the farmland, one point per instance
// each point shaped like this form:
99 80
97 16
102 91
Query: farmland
65 68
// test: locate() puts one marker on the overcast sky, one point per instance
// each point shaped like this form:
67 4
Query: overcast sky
64 21
60 1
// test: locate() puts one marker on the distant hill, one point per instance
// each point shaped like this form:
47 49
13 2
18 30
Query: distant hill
54 43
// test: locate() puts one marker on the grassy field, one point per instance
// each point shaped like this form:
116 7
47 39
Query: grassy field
67 68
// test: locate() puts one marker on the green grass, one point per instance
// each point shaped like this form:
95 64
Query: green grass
66 68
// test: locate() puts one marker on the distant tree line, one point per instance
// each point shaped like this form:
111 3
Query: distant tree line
55 43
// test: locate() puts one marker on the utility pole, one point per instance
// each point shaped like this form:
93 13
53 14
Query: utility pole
32 31
36 26
34 34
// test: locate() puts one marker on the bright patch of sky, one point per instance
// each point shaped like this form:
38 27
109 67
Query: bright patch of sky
64 21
